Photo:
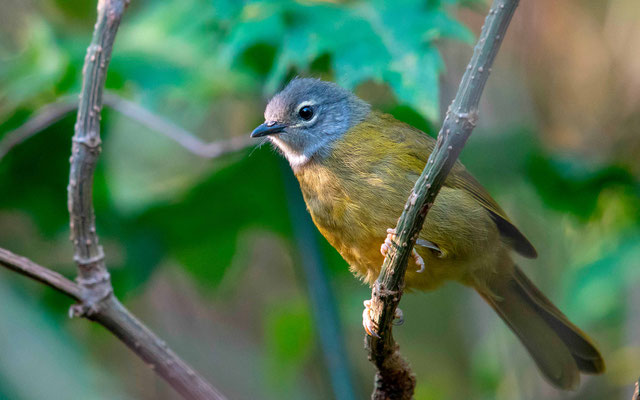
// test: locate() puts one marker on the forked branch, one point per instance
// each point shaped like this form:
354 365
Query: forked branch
394 378
93 291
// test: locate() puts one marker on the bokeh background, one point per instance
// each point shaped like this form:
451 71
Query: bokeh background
218 256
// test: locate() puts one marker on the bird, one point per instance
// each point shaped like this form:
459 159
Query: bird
356 168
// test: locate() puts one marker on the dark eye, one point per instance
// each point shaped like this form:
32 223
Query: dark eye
306 113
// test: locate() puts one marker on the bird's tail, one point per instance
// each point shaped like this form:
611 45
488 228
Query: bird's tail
560 349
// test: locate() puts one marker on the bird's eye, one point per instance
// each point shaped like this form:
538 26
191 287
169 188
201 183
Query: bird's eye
306 113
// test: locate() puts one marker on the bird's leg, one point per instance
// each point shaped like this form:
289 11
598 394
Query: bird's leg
367 322
388 242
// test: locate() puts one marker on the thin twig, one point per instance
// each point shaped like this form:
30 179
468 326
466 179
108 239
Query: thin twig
181 136
46 116
394 378
54 112
28 268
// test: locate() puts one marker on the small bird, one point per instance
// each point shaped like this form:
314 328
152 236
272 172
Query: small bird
356 168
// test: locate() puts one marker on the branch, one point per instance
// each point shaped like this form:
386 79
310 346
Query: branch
394 379
54 112
184 138
93 277
47 116
28 268
117 319
636 393
97 301
93 292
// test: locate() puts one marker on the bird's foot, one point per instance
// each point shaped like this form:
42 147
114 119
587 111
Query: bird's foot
388 242
370 327
419 261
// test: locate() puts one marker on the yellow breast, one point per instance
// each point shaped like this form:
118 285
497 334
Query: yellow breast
359 190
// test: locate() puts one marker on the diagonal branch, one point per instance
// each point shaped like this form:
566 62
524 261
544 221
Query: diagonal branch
117 319
46 116
28 268
394 379
184 138
54 112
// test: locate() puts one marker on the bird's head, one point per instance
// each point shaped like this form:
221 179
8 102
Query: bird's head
307 116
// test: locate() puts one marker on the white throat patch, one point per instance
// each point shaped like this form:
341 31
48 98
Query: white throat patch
295 159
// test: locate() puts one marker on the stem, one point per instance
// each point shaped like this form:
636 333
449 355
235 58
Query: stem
394 379
47 116
98 302
93 277
28 268
184 138
54 112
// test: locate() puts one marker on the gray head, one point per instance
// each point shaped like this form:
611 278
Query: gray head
307 116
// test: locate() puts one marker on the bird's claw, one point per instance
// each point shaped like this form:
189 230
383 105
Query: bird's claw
419 261
388 243
398 318
370 327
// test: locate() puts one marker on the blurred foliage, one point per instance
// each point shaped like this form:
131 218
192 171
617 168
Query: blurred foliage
376 40
204 248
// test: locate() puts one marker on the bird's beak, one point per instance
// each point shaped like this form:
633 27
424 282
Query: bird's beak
268 128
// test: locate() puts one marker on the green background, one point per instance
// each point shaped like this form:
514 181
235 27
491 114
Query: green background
217 255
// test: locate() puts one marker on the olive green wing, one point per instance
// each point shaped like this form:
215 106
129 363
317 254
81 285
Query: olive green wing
419 145
464 180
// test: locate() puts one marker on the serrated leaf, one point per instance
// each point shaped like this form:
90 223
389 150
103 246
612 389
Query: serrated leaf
380 41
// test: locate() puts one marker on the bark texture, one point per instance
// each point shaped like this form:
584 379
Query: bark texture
394 378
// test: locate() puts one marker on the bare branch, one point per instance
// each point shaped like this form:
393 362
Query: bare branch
93 292
28 268
98 302
394 379
93 277
181 136
117 319
54 112
46 116
154 351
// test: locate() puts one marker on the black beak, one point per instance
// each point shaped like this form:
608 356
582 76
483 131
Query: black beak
268 128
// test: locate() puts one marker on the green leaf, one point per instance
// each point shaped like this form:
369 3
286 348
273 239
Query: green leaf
243 196
380 41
